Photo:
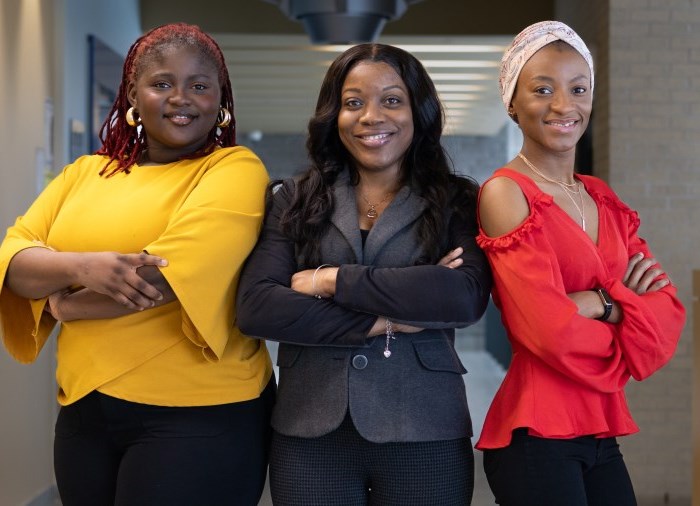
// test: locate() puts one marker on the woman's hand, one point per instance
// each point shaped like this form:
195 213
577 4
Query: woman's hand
379 327
644 275
452 258
318 282
114 274
53 304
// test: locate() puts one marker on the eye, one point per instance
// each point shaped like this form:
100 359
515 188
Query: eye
200 87
352 103
161 84
393 101
579 90
543 90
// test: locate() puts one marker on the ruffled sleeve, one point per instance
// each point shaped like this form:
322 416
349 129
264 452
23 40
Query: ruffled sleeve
538 315
207 241
652 322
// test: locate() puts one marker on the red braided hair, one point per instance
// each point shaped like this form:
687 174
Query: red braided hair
125 144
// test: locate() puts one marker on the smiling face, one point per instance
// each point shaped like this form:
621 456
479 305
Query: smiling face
553 100
177 96
375 122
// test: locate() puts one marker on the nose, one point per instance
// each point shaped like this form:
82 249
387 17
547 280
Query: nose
372 114
561 102
178 96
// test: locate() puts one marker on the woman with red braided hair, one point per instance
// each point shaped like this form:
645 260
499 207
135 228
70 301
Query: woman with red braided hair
136 252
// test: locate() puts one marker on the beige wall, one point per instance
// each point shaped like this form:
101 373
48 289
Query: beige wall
26 392
646 131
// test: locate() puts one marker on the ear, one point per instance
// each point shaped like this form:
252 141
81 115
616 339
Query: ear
131 93
512 114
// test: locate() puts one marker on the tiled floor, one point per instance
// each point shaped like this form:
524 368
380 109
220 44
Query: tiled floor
482 381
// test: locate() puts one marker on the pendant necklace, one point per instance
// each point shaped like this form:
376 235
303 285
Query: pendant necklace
569 189
372 212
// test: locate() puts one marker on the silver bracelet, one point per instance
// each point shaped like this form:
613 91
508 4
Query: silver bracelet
389 336
313 279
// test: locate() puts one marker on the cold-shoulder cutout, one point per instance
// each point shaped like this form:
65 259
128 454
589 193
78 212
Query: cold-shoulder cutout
509 204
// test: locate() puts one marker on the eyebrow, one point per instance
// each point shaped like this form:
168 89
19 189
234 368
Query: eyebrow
358 90
171 74
549 79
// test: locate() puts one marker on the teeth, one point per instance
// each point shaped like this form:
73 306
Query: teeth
375 137
567 124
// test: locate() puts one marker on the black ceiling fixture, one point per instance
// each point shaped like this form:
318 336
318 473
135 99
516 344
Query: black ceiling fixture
343 21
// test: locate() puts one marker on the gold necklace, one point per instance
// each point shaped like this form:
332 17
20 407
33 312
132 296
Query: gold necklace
372 211
581 210
534 169
568 188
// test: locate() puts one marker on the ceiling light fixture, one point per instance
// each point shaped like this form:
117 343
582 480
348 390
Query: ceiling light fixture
343 21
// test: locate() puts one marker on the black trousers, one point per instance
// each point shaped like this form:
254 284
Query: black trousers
344 469
583 471
112 452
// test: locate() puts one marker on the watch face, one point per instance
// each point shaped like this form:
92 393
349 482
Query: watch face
607 303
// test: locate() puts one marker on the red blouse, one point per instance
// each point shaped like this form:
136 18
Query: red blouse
568 373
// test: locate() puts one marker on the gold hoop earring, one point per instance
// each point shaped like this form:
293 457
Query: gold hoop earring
223 118
131 119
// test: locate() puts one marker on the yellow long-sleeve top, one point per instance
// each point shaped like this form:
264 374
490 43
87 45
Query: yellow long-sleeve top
203 216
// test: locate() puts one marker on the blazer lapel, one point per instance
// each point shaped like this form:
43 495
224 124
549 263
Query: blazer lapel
406 207
345 217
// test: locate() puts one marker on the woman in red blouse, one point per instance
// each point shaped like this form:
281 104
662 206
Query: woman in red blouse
585 304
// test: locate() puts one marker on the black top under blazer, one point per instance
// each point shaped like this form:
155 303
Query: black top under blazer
417 394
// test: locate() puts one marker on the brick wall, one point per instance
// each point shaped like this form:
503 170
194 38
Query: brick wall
647 125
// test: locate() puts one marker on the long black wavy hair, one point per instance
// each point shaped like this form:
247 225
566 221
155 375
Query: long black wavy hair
425 168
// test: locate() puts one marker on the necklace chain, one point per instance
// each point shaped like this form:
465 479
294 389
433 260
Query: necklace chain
569 189
536 171
372 212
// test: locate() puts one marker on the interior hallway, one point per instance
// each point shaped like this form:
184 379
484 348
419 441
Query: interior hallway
482 381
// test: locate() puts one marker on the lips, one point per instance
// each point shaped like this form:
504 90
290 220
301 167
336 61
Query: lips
374 140
180 119
562 123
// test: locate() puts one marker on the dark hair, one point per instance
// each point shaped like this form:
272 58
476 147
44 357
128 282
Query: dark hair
124 143
425 168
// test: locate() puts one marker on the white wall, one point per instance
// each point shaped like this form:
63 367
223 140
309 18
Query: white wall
43 59
116 23
26 393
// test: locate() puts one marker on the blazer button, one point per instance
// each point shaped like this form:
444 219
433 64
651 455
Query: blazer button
359 361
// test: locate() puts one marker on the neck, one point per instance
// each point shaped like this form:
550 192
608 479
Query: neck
378 183
557 167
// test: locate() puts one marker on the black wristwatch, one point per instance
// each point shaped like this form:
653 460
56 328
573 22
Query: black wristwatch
607 303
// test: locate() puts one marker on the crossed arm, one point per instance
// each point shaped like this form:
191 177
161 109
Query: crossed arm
90 285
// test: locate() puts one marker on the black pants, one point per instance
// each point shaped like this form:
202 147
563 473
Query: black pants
344 469
583 471
112 452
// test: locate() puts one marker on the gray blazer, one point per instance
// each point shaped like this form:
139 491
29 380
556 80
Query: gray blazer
328 367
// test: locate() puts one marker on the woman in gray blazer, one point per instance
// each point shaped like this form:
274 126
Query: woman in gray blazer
355 276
